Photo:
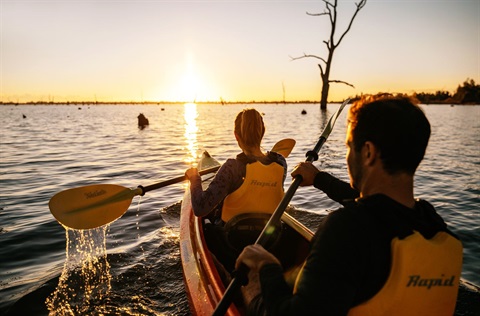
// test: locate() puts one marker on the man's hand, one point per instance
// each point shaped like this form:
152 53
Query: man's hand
255 257
308 172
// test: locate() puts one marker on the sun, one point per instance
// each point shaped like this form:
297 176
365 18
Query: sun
193 83
189 87
188 81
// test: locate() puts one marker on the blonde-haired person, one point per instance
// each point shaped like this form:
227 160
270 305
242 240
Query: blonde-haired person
252 182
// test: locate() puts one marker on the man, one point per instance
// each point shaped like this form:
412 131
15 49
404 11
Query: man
383 253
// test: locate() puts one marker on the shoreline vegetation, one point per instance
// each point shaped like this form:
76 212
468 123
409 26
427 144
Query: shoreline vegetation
90 103
466 94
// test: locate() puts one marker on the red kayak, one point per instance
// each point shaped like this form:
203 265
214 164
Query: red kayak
203 280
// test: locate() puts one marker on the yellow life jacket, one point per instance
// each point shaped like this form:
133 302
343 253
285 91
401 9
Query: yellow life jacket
424 278
260 192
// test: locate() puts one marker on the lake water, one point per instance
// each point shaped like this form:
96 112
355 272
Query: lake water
132 267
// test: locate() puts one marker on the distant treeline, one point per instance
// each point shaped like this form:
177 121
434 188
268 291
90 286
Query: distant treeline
468 93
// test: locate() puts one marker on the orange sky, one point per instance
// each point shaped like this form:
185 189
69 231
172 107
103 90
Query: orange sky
235 50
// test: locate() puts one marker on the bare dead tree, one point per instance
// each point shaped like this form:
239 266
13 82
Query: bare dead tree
331 12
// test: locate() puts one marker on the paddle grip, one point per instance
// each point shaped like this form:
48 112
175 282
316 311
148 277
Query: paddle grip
142 188
312 155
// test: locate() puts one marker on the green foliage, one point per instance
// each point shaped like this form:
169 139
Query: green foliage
469 93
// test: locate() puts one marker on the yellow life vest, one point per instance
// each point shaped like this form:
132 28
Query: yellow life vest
260 192
424 278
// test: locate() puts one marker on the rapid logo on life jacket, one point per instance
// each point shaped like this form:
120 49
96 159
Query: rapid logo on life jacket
263 184
417 280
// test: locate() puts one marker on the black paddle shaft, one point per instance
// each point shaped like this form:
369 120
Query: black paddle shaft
173 181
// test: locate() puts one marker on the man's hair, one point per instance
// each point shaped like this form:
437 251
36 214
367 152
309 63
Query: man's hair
396 125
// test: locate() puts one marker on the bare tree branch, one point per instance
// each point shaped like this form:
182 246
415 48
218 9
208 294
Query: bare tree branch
333 17
327 12
327 3
316 14
307 56
329 6
344 82
359 5
321 70
328 44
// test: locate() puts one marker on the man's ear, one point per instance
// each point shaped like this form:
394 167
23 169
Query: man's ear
369 153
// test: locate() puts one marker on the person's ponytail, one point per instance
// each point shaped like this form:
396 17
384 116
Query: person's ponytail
250 128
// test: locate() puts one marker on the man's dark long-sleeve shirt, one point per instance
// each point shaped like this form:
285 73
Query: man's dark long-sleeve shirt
336 189
349 260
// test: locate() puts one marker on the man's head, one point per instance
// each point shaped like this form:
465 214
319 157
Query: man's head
397 128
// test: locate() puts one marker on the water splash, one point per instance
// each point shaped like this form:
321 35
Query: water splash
85 279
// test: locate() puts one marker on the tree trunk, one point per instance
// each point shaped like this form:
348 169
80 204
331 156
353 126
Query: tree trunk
323 100
326 79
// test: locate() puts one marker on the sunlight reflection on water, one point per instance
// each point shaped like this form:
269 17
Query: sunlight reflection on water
191 130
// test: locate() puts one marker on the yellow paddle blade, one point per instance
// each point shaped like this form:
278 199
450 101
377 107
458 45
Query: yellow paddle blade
284 147
91 206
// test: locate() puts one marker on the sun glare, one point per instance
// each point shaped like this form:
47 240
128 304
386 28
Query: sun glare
191 83
191 130
189 88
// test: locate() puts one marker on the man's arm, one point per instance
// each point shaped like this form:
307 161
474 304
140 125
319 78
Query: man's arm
336 189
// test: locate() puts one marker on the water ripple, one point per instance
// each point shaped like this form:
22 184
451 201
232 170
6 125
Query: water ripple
62 147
